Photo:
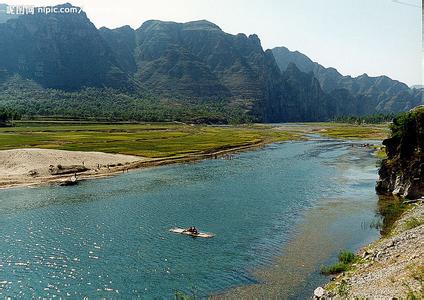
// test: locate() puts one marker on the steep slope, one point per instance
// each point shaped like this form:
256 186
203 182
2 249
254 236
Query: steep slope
199 60
384 94
122 41
62 51
169 67
402 173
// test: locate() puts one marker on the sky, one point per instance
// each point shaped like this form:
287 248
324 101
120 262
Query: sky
377 37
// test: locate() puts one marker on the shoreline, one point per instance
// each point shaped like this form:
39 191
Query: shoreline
158 162
390 267
294 266
23 180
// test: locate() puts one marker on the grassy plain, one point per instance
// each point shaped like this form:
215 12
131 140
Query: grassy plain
342 130
158 140
148 140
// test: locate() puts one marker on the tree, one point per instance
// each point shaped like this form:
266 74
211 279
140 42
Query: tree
7 114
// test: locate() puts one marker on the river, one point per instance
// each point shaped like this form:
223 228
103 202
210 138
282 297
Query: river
274 210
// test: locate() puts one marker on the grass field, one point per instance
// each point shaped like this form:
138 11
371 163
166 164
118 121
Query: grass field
165 140
149 140
350 131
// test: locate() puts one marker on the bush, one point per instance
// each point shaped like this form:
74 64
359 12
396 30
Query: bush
334 269
346 258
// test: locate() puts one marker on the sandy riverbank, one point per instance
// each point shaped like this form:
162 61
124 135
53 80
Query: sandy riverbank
390 268
29 167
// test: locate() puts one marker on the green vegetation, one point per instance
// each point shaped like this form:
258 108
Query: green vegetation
346 259
349 131
417 272
99 104
368 119
413 222
149 140
6 115
380 152
402 123
343 289
390 209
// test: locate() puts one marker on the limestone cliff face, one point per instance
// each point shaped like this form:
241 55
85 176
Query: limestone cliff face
194 64
366 94
61 51
402 172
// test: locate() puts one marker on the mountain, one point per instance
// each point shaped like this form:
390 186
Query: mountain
4 16
169 67
384 93
62 51
197 60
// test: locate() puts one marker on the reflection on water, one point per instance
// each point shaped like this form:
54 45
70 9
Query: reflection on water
278 214
389 209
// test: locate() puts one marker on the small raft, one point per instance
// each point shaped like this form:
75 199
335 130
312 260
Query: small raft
200 234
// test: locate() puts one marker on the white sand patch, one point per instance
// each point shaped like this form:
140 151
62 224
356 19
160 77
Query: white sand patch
21 161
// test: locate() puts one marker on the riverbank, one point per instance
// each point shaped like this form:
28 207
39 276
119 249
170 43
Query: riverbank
31 167
283 189
392 267
29 150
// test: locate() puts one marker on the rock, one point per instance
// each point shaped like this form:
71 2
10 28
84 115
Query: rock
401 173
319 292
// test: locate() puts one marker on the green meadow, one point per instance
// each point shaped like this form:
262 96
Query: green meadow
149 140
158 140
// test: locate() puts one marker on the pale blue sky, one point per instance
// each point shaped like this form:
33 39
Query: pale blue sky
355 36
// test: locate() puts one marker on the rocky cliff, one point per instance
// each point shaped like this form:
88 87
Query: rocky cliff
402 173
61 51
368 94
182 64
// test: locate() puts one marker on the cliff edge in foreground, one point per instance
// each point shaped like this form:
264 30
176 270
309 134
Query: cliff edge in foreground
402 172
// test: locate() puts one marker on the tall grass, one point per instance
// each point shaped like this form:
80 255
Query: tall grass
345 260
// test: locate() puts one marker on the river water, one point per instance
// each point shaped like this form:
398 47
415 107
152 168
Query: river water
278 213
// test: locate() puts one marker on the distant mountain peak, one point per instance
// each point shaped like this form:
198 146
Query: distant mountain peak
385 93
201 25
193 25
189 62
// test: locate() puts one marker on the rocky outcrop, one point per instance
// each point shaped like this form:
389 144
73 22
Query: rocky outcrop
402 173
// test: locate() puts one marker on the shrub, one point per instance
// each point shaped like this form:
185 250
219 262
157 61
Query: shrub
334 269
346 258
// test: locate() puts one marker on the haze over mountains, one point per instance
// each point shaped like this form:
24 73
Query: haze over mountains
61 64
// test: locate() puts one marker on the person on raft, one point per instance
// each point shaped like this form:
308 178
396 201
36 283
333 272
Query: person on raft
192 229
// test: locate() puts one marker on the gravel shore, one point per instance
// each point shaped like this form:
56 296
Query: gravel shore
390 268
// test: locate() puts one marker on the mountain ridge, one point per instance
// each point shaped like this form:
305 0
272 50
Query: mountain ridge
188 63
387 93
